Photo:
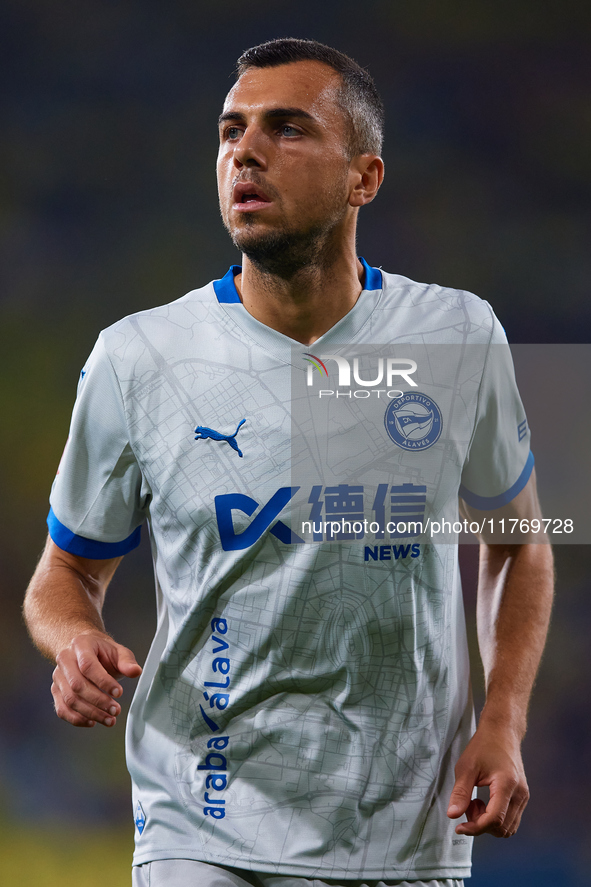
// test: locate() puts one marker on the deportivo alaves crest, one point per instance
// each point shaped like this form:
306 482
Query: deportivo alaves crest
204 433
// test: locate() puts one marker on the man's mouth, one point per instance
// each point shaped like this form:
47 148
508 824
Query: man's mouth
248 196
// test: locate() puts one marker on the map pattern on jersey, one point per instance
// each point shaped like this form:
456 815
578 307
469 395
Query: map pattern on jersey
303 703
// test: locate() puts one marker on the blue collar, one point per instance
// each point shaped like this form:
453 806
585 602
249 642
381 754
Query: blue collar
225 289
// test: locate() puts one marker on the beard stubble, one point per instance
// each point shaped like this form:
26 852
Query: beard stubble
285 251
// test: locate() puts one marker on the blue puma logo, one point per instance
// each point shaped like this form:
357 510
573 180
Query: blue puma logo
203 433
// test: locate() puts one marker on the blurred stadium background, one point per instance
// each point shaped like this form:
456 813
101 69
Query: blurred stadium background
108 205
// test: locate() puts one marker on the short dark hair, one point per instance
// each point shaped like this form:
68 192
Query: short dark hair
358 96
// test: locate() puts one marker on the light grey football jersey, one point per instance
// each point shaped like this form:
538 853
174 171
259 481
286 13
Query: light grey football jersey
306 695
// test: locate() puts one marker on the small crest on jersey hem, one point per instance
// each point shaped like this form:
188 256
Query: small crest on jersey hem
140 818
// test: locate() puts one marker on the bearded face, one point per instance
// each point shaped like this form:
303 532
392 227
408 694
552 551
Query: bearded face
283 171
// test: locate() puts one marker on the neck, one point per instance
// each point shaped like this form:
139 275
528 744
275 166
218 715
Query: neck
310 302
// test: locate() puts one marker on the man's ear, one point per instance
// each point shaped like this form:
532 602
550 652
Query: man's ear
367 174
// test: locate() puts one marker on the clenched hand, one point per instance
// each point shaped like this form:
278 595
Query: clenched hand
85 684
492 758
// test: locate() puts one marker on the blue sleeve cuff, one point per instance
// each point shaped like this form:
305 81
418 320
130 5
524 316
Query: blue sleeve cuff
488 503
70 542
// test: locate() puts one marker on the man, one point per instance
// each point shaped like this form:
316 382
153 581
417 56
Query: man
305 700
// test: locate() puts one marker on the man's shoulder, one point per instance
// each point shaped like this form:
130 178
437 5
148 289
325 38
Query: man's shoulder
189 305
442 310
194 313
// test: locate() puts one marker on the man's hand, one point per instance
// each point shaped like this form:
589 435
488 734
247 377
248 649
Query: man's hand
62 611
491 758
84 689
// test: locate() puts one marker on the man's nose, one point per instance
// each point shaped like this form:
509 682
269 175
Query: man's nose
250 150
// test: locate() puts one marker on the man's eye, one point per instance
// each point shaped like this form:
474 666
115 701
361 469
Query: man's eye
287 130
233 132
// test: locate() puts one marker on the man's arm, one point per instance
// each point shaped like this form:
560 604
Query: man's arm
515 589
62 611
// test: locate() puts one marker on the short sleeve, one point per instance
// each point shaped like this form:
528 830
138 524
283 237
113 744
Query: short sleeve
499 460
99 499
